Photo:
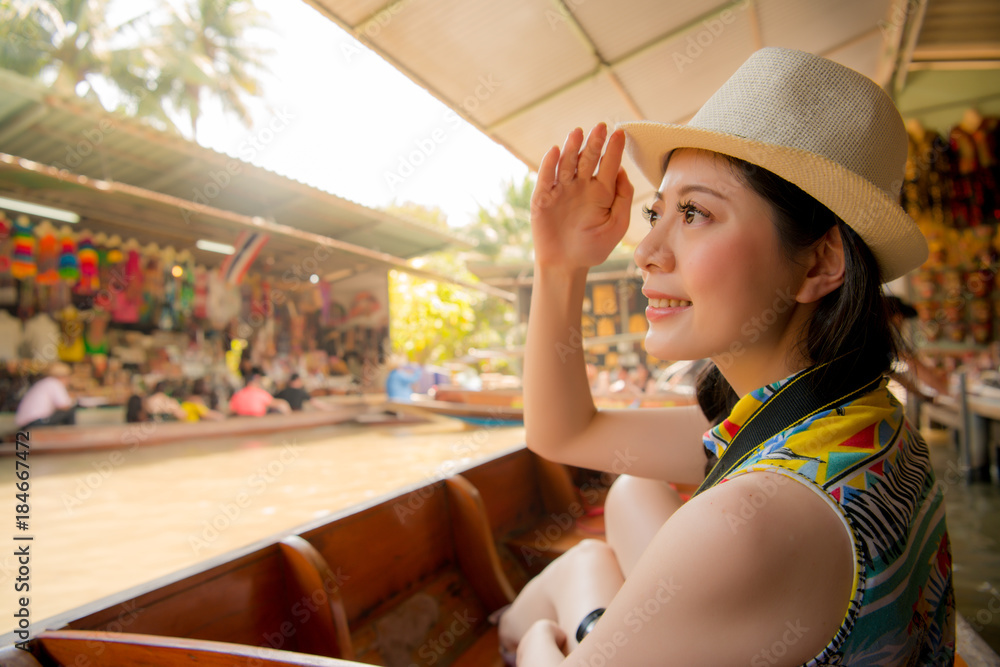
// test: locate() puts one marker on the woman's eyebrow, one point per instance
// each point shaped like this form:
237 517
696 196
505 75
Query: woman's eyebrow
694 187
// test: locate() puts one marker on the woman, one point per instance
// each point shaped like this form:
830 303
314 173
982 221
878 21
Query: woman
775 221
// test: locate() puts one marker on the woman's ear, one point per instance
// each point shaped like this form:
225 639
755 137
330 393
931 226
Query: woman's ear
825 267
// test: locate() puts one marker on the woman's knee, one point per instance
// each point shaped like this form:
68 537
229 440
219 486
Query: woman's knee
635 509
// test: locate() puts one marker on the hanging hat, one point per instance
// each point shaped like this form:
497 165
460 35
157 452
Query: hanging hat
824 127
23 265
89 260
69 265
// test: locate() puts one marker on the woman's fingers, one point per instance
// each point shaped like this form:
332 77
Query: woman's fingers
570 156
607 174
592 151
547 172
622 205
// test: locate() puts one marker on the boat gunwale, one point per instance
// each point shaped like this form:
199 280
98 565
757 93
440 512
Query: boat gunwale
202 572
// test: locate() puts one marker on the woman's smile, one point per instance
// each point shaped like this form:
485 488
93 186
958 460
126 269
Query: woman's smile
662 307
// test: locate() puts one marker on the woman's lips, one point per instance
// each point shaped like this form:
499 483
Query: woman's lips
661 308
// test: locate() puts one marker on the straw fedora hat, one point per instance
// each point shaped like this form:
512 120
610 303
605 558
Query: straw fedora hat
822 126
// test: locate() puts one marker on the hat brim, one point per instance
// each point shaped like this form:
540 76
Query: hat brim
891 234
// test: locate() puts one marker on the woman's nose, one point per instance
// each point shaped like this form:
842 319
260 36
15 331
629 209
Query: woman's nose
652 252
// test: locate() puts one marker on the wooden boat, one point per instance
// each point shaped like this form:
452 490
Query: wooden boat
64 439
407 579
507 405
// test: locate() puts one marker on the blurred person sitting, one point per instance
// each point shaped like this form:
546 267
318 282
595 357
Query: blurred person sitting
255 401
628 381
162 407
135 411
917 377
400 381
296 395
47 402
602 384
195 407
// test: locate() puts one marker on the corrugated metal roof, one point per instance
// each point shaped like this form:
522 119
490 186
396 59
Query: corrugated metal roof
291 255
86 140
576 62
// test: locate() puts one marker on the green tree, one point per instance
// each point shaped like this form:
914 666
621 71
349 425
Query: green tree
429 215
210 56
504 234
433 322
72 42
160 63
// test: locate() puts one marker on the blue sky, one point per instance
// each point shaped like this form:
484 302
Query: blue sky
340 118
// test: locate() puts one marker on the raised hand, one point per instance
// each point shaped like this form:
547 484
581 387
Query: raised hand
580 206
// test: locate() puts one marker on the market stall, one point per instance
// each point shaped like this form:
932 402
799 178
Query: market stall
153 258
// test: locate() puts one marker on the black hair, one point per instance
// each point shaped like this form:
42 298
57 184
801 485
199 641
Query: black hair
854 318
716 399
899 307
200 387
134 411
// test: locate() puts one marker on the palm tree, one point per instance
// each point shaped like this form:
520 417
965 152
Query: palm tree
158 67
505 233
72 42
210 55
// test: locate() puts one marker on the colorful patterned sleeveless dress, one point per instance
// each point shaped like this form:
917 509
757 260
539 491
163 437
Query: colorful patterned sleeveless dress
864 459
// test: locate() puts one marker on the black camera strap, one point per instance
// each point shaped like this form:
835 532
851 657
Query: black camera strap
800 398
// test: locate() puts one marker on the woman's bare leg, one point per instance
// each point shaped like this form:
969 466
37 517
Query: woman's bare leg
589 575
583 579
635 509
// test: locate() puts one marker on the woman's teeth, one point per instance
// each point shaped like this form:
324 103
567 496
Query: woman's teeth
669 303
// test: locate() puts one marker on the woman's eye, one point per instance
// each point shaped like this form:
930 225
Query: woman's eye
691 212
650 215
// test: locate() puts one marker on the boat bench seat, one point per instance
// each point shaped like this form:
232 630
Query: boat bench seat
410 578
418 576
279 596
540 517
421 573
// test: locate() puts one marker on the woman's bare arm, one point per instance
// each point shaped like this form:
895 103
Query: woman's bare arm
725 585
577 219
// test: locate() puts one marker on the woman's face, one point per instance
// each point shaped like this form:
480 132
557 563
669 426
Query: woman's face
717 282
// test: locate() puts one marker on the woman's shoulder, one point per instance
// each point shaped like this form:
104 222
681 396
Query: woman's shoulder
761 550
